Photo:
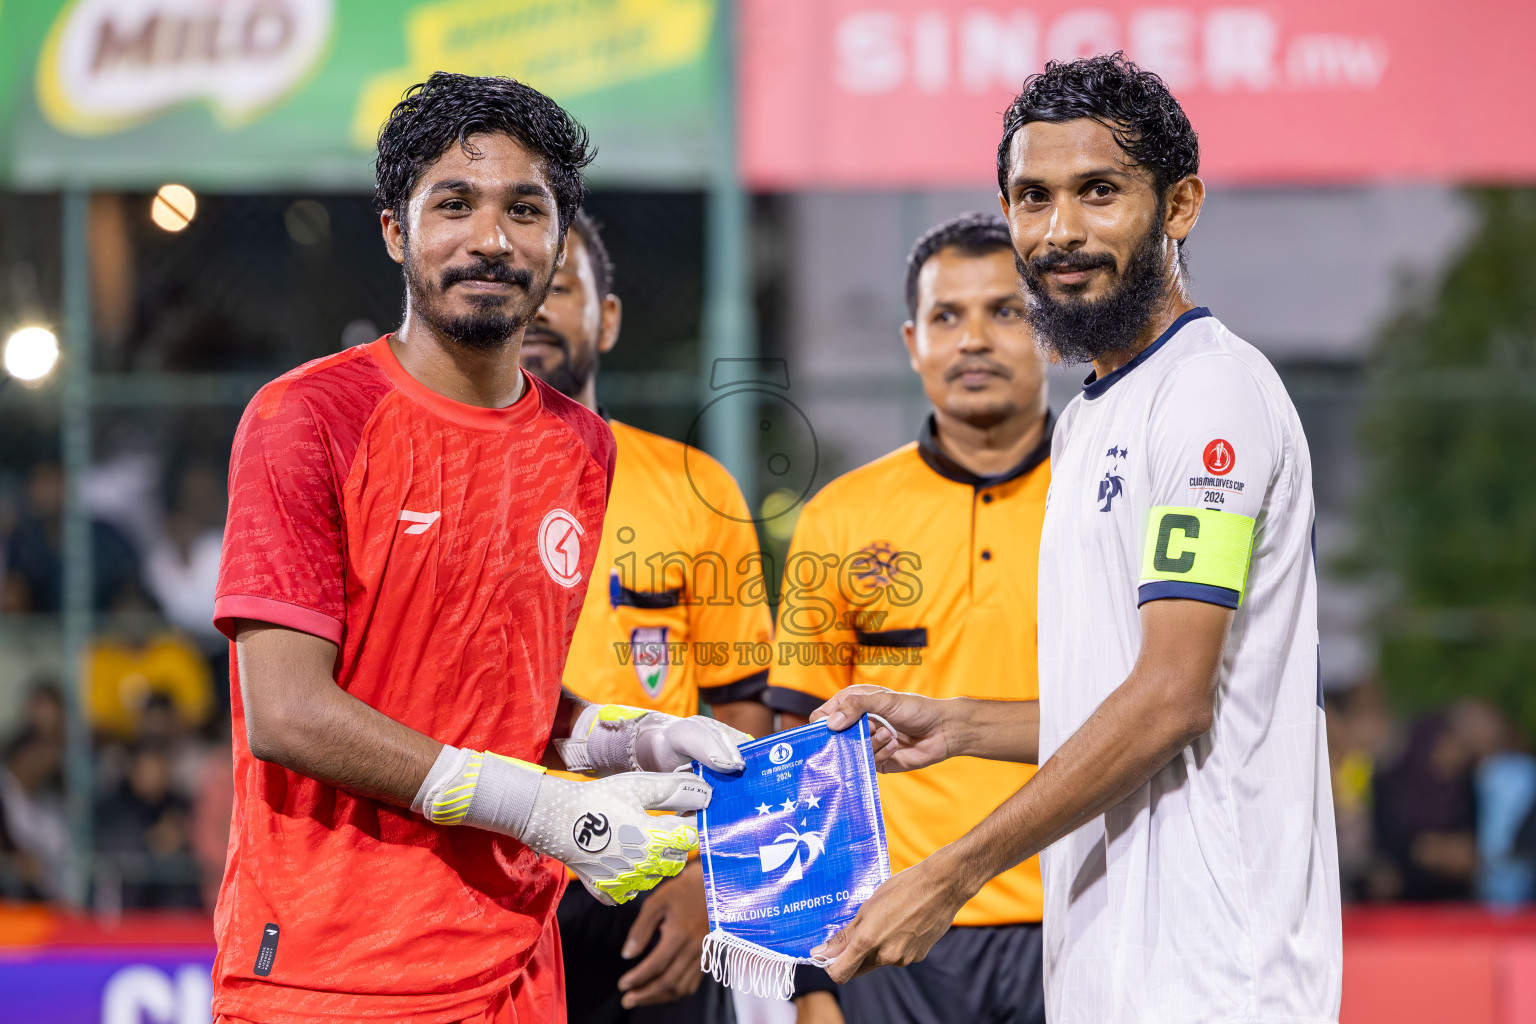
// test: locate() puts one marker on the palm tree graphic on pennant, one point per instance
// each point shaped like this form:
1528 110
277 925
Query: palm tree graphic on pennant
787 845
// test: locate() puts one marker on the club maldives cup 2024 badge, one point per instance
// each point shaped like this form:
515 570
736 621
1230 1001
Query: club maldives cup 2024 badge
792 845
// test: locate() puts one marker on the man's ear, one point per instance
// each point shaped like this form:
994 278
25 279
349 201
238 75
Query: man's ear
1002 202
1185 199
565 248
613 312
909 339
394 235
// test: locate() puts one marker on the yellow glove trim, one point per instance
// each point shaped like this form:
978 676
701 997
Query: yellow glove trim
618 713
625 887
453 805
520 763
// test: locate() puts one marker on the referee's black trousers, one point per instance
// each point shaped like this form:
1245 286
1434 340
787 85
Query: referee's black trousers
973 975
591 936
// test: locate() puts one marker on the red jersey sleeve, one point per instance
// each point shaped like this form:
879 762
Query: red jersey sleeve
285 538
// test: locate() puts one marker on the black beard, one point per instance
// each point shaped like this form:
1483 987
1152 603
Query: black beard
1079 331
491 326
570 375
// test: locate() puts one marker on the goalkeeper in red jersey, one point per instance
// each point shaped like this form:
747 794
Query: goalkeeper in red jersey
412 527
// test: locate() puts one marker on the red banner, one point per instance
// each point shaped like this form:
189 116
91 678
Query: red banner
909 93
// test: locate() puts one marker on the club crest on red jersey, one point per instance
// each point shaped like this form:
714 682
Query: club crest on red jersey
559 542
1219 458
648 653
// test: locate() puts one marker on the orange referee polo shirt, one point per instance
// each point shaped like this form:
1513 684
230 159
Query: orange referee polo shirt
914 573
677 588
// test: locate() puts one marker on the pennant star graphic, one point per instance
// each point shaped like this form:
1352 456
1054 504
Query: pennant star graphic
789 805
763 809
813 801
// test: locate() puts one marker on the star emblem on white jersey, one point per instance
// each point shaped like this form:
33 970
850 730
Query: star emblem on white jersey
1112 485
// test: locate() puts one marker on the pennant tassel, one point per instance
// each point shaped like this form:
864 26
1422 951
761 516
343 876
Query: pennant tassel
747 967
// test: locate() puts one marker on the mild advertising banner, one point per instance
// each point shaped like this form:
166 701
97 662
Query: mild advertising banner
910 93
273 93
141 968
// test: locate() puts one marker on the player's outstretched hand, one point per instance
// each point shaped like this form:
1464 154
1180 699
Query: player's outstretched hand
676 916
601 831
617 738
920 737
896 926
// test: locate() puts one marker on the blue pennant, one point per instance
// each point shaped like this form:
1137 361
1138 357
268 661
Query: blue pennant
792 845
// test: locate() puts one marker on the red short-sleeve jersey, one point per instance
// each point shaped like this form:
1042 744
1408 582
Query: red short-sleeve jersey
446 550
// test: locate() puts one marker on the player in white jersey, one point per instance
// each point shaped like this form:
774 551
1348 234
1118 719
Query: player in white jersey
1183 804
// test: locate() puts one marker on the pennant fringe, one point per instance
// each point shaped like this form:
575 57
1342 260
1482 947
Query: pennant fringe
747 967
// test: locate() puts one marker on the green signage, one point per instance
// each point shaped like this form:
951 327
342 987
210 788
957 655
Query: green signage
255 94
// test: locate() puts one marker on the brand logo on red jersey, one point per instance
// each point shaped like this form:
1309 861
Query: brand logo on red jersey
560 546
423 520
1219 458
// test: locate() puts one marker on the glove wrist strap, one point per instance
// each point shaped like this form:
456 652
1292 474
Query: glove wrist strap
603 740
482 789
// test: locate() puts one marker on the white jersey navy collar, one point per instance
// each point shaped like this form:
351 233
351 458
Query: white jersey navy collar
1093 387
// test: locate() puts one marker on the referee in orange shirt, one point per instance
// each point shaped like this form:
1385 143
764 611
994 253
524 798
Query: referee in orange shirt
918 572
664 598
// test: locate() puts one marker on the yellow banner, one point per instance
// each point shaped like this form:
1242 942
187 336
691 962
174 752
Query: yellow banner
561 47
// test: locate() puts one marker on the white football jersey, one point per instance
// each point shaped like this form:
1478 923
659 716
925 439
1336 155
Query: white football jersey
1211 894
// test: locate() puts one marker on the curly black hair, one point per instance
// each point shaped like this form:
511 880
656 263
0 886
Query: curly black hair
974 234
1135 105
587 227
449 108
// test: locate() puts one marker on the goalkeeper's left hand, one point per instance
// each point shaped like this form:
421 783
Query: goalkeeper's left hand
614 738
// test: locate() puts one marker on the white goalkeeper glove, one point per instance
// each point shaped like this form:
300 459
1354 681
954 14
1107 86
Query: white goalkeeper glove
598 829
615 738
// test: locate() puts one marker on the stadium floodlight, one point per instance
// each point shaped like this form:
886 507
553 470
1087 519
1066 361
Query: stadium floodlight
173 207
31 353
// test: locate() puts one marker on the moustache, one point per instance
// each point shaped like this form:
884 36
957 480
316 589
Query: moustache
1070 261
549 336
975 364
488 271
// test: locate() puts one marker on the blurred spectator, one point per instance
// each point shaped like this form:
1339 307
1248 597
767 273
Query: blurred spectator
1505 785
182 567
143 831
123 489
1359 731
10 515
31 807
122 675
44 710
162 724
18 868
1426 814
213 804
34 567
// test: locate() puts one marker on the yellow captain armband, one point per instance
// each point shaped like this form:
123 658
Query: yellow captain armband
1196 553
